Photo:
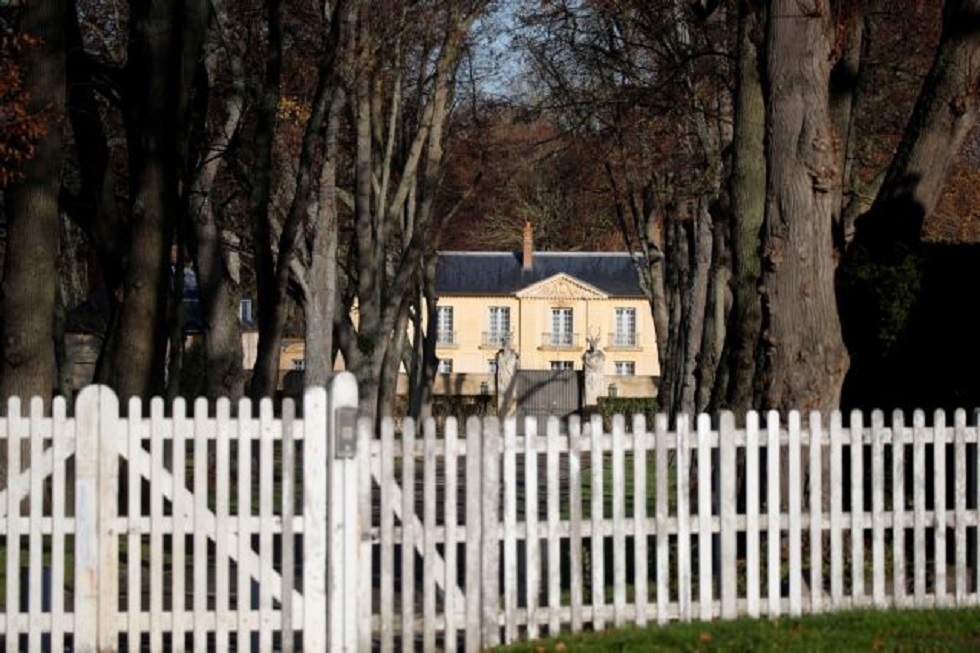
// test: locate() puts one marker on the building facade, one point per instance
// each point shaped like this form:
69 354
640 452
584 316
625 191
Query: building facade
550 307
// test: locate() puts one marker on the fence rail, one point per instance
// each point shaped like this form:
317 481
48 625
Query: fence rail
316 533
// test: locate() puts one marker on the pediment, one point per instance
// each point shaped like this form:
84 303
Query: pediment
561 286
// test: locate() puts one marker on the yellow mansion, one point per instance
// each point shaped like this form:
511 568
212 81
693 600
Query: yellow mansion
551 307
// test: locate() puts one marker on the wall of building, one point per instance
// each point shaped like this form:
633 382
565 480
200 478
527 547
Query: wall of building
531 321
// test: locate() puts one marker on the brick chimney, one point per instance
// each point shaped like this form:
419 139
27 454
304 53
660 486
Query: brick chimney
528 245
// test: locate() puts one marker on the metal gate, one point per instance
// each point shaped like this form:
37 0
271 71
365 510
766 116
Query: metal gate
541 393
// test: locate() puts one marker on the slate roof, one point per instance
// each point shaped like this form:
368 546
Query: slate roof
502 273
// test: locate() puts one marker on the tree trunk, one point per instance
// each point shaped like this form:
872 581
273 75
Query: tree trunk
424 361
715 316
165 43
219 295
678 275
944 115
265 373
881 277
393 227
748 205
693 324
804 360
322 301
30 277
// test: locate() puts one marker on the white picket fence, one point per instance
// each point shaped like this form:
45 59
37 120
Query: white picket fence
508 537
308 533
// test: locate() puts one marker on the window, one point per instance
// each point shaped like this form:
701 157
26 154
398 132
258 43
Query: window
624 328
444 328
498 326
492 366
624 368
245 311
561 327
562 365
445 366
299 364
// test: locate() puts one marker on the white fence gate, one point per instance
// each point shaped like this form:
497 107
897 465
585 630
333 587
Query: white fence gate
181 532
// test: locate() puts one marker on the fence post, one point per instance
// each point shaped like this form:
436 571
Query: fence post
343 525
95 495
315 520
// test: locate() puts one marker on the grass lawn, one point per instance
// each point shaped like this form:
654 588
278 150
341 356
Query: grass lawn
925 630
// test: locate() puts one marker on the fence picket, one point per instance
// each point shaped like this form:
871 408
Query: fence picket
773 497
553 517
662 516
62 439
618 520
575 589
363 540
597 551
408 536
938 480
705 494
532 551
14 434
795 500
288 485
510 529
878 509
180 518
899 488
641 595
200 538
243 586
817 492
752 521
107 488
490 531
857 508
682 457
728 515
135 437
387 535
451 519
919 507
474 533
836 510
159 434
266 492
959 515
975 598
35 579
221 521
429 535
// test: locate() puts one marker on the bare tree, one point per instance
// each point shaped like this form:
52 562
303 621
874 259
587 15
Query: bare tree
160 71
30 278
402 91
803 354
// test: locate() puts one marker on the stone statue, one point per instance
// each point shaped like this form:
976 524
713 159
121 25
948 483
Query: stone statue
506 381
593 366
